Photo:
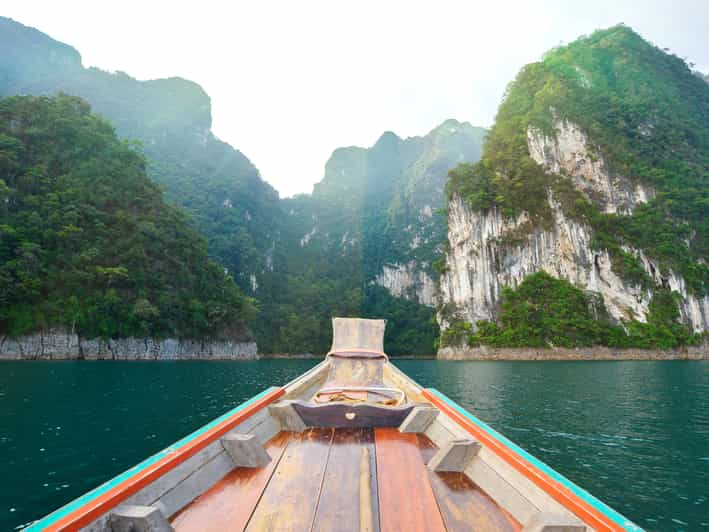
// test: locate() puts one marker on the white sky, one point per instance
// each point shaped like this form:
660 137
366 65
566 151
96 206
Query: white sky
291 81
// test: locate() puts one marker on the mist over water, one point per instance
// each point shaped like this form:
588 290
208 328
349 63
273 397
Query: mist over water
634 434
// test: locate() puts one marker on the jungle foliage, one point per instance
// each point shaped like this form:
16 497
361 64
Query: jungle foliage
87 241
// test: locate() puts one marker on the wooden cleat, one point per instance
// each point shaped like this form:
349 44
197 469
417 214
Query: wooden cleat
245 450
454 456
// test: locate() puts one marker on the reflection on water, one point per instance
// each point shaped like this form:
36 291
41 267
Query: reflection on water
634 434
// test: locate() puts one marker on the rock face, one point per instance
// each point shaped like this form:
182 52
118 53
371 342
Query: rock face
378 206
364 242
568 153
393 190
694 352
484 254
59 345
404 280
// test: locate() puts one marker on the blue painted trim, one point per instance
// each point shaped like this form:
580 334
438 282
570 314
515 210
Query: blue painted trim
103 488
579 492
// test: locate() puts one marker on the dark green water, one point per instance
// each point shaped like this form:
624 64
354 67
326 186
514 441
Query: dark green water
635 434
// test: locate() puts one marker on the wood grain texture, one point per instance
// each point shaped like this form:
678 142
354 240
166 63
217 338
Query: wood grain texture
339 506
463 505
366 498
290 500
228 505
406 499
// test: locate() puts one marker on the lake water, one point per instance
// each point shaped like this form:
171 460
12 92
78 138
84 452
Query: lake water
635 434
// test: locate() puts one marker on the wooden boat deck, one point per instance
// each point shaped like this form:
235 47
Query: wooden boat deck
344 479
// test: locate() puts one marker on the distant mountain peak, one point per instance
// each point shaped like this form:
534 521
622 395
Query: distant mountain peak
388 138
35 54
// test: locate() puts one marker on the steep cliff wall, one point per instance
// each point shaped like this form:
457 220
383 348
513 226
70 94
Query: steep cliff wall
568 152
386 199
484 254
408 281
594 172
480 262
364 242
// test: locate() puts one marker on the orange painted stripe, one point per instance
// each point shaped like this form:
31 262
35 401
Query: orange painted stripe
97 507
560 493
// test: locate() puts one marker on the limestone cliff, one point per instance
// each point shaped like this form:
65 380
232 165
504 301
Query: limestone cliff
571 185
479 262
364 241
393 192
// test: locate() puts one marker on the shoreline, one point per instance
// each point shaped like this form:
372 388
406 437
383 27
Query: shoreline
59 344
698 352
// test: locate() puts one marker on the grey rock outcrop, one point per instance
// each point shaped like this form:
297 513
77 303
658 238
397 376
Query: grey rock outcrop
568 152
408 281
482 258
62 345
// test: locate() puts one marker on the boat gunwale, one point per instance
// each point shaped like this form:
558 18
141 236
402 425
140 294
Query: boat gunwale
91 505
577 500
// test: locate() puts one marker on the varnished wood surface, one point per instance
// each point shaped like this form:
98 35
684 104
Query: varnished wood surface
291 497
339 507
314 483
406 499
228 505
463 505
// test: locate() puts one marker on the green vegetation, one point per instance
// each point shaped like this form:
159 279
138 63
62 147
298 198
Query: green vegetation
547 312
367 208
640 107
218 187
88 242
367 212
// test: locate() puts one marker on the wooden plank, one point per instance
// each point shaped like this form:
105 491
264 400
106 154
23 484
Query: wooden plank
291 497
463 505
502 492
396 378
228 505
195 485
339 507
419 419
406 499
528 489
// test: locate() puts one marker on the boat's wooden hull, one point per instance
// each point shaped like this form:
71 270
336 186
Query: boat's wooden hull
344 474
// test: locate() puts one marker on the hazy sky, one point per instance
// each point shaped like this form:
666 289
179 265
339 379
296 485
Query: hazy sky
290 81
